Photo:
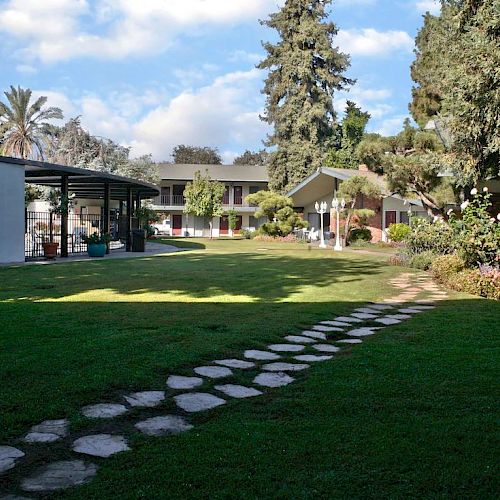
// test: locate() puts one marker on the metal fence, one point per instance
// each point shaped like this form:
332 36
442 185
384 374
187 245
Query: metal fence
44 227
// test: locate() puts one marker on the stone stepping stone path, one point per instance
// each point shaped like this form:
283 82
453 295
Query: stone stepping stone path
238 391
279 379
180 382
284 367
198 401
261 355
147 399
275 372
60 475
213 371
286 347
104 410
160 426
101 445
235 363
8 457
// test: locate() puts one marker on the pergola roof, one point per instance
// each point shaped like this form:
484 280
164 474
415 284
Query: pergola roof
87 184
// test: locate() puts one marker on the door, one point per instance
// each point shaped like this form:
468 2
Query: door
178 194
390 218
177 225
224 225
239 223
238 195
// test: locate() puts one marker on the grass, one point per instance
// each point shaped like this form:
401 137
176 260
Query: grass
408 413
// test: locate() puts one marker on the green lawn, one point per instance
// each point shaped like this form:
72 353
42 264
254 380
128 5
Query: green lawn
410 413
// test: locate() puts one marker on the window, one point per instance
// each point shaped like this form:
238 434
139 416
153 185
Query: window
225 197
238 195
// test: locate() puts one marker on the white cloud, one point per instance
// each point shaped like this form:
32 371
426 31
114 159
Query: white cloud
26 69
432 6
390 126
370 42
52 30
244 56
369 99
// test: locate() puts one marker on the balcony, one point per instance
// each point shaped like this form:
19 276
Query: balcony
176 200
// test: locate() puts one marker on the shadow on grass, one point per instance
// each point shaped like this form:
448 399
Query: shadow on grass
181 243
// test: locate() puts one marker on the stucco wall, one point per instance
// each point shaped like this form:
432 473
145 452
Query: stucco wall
11 213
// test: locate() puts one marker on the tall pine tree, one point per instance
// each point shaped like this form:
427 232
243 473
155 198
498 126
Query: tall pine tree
305 68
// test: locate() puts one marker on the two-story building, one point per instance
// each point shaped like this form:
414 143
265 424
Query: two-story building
239 180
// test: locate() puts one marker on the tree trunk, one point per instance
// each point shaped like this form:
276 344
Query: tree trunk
430 206
210 225
347 224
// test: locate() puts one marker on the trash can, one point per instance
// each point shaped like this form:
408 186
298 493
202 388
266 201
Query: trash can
138 240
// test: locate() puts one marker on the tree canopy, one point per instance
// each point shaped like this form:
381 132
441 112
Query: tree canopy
252 158
304 70
195 155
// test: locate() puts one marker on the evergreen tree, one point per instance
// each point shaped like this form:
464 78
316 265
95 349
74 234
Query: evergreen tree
304 71
252 158
194 155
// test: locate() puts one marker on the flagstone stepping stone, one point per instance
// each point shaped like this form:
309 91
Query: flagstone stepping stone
8 457
314 335
40 437
198 401
388 321
48 431
380 307
367 310
398 316
100 445
314 358
146 399
323 328
286 347
364 316
409 310
299 339
284 367
326 348
104 410
159 426
362 332
60 475
261 355
238 391
334 323
235 363
349 341
180 382
213 371
348 319
271 379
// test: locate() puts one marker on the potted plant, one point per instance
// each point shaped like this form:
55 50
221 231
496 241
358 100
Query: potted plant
49 248
96 244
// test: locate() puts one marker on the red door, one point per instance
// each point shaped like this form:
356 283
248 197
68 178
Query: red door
177 225
239 222
390 218
224 225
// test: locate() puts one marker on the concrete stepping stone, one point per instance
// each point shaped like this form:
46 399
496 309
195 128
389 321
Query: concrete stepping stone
261 355
409 310
367 310
198 401
8 457
284 367
180 382
362 332
40 437
104 410
238 391
235 363
313 358
380 307
323 328
100 445
335 323
388 321
286 347
398 316
348 319
270 379
160 426
299 339
48 431
60 475
326 348
213 371
349 341
314 335
146 399
364 316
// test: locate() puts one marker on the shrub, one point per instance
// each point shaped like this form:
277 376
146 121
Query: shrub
360 234
247 234
445 266
399 259
422 260
398 232
473 281
425 236
290 238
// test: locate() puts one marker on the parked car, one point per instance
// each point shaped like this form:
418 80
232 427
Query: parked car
162 227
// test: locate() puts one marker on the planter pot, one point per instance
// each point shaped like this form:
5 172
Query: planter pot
96 249
50 250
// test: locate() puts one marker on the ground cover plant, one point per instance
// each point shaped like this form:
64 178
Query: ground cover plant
410 412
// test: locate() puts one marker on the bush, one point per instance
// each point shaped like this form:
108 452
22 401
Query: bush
399 259
398 232
425 236
360 234
445 266
290 238
422 260
473 281
247 234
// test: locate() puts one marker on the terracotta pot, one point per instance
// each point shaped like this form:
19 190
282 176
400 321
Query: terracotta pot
50 250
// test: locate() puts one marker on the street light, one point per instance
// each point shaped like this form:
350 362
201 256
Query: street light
321 208
338 206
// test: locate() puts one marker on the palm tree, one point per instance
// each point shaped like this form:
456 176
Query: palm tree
22 125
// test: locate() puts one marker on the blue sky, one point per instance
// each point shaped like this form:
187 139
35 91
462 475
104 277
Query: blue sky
155 73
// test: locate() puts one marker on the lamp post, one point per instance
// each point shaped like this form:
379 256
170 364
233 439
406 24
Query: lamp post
338 206
321 208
